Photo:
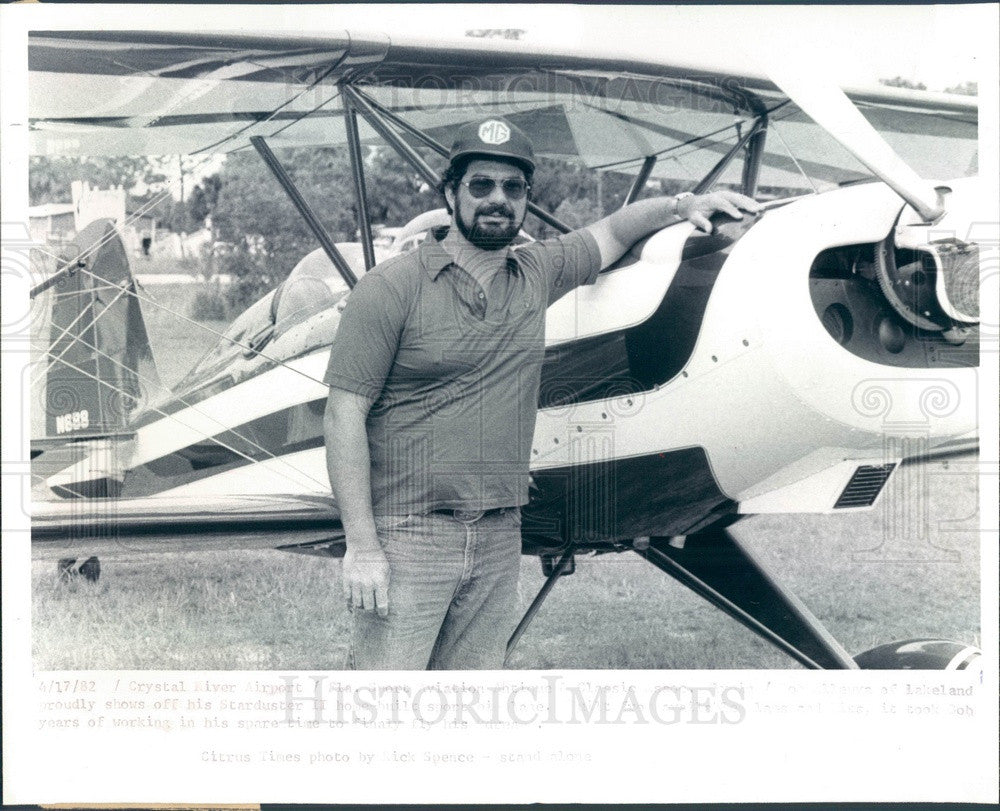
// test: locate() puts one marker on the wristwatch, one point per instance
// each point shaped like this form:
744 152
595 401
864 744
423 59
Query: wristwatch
678 198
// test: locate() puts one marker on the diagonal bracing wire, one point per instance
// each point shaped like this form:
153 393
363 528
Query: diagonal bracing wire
159 198
322 76
96 246
214 439
204 327
777 131
79 338
306 114
161 386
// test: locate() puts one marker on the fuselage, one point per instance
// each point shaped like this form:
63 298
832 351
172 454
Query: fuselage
701 377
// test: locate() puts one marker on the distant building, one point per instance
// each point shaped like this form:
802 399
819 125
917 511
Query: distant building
58 223
92 204
52 222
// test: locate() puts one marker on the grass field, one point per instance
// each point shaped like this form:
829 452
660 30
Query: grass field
177 344
276 610
872 578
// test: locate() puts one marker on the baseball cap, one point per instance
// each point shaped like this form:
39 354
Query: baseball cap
493 137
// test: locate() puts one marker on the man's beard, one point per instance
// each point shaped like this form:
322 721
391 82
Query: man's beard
489 237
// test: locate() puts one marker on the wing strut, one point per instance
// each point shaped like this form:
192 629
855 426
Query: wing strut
408 153
358 171
375 109
640 180
709 180
755 156
303 208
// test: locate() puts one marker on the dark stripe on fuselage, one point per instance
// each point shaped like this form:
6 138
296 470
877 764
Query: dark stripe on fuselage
612 365
662 494
289 430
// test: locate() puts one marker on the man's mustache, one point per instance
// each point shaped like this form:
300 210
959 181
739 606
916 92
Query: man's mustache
496 210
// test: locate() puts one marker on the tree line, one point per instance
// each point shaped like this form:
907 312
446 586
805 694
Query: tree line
258 236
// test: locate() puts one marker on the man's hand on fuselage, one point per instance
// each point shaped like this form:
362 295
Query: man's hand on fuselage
619 231
698 208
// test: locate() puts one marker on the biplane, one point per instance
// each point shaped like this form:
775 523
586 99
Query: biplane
789 362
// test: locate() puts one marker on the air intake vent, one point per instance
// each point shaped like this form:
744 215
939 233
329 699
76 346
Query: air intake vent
864 486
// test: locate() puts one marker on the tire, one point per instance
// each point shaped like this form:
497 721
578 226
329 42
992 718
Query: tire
921 654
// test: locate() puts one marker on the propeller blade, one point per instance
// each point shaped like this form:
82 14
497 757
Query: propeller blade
828 106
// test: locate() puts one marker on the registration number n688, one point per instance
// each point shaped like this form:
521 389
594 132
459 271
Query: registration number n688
74 421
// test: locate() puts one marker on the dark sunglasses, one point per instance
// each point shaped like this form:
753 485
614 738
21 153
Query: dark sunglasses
514 188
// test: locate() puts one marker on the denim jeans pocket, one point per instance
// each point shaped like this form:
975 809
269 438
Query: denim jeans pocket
387 522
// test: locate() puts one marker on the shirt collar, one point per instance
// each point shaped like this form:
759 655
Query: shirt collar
435 258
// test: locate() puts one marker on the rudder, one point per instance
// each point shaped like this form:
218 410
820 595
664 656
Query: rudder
100 365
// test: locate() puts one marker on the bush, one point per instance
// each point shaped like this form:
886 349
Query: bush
209 304
251 275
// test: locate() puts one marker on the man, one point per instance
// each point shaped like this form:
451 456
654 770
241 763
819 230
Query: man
434 378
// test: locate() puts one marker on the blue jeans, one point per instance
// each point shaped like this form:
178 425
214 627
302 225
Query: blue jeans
452 593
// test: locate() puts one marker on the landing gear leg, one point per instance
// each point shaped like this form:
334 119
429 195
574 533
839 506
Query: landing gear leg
564 566
715 565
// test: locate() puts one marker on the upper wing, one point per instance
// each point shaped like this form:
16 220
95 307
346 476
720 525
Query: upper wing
152 93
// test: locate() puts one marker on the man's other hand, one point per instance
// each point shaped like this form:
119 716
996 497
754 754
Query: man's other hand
699 207
366 579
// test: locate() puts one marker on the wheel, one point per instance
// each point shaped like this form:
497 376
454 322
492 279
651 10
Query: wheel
90 569
921 654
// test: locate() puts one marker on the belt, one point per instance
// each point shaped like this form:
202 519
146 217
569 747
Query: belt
470 515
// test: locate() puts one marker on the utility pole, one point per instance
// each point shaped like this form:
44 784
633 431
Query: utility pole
180 172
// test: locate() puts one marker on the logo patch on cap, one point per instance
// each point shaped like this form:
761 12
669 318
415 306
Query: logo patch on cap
494 132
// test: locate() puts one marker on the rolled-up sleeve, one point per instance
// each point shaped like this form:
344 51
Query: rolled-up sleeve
367 338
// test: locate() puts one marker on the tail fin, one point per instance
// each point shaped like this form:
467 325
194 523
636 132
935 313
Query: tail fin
100 366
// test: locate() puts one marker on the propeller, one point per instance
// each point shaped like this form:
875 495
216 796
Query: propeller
946 256
828 106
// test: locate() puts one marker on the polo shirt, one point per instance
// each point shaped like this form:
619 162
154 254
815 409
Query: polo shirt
453 378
